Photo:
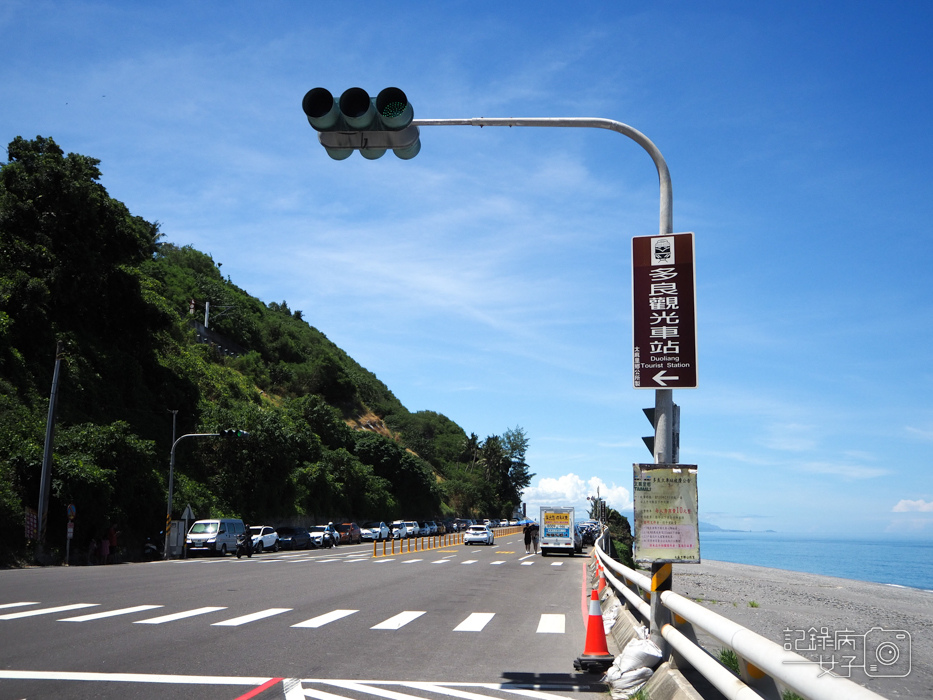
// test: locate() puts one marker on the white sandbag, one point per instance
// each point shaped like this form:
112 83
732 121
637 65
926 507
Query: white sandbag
610 616
638 653
629 683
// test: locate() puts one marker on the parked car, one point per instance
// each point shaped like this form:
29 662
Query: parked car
375 531
294 538
324 536
478 534
349 533
428 528
214 536
414 529
400 530
441 527
264 537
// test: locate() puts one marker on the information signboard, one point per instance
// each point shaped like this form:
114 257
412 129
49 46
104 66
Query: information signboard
666 518
664 312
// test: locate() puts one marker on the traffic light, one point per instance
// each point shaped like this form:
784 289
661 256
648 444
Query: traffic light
675 430
357 122
233 433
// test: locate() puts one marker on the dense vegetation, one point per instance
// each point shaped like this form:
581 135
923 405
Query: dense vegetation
327 439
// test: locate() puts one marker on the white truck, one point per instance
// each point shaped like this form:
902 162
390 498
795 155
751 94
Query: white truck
559 532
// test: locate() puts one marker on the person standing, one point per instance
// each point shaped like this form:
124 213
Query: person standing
527 533
534 537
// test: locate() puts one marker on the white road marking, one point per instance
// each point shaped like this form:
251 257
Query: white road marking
321 620
470 561
557 563
178 616
16 605
496 563
527 563
382 561
411 561
47 611
244 619
474 622
132 677
398 621
109 613
551 624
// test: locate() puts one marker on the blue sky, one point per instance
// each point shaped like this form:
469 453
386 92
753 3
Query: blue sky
488 279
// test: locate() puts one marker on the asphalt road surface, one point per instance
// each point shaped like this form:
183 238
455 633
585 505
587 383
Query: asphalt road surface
469 622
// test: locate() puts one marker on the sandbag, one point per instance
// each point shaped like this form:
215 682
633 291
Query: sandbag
638 653
629 683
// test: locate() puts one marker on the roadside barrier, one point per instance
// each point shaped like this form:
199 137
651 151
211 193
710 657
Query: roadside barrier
766 669
417 544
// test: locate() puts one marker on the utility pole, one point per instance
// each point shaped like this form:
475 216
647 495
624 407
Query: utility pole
45 483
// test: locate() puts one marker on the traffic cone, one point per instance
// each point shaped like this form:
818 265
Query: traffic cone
602 580
596 657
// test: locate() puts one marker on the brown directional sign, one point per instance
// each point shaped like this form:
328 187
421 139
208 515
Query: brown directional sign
664 312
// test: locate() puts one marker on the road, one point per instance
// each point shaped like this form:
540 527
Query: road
335 620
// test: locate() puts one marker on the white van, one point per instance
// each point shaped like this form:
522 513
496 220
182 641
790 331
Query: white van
214 536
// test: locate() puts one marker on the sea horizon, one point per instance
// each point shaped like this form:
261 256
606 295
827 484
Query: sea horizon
887 558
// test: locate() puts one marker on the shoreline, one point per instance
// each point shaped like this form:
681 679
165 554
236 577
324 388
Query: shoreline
786 607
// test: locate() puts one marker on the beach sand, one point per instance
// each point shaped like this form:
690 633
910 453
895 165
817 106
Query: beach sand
790 604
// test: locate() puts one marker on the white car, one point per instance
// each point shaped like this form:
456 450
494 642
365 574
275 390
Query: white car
323 536
400 530
478 534
414 529
264 538
375 531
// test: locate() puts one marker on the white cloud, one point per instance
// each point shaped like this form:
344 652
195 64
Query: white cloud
918 506
571 490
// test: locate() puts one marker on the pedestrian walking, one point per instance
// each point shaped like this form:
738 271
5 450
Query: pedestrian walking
527 533
534 537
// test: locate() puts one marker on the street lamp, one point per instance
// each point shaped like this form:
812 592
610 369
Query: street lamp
171 474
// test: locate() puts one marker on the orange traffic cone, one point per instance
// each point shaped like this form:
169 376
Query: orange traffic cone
602 580
596 657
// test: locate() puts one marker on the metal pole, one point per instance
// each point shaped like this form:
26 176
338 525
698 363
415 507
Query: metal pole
664 403
45 482
171 483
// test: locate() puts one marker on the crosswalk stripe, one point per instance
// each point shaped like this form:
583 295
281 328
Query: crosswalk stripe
551 623
177 616
47 611
475 622
398 621
326 618
109 613
243 619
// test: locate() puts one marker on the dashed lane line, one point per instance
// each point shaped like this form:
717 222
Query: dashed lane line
245 619
109 613
398 621
47 611
178 616
322 620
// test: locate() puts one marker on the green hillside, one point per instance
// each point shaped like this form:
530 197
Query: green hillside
328 440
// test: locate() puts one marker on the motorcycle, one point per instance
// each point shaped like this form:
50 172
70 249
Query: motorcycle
244 545
153 548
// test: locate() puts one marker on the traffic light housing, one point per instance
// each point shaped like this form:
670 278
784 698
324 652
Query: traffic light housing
233 433
358 122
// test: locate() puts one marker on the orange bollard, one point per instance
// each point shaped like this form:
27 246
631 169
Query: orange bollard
596 657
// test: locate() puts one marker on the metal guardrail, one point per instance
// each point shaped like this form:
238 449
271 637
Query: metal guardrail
766 668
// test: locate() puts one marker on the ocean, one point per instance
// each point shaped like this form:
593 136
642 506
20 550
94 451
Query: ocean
899 562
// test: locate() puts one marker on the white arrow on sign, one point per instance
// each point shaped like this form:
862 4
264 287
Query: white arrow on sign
660 378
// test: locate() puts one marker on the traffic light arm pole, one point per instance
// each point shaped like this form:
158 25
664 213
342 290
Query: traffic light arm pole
171 483
663 398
